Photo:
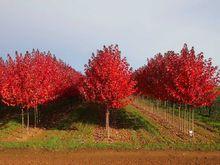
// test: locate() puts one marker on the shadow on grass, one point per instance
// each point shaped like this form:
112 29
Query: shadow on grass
126 118
8 114
129 118
65 115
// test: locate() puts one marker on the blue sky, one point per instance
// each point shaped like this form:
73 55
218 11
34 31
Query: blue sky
73 29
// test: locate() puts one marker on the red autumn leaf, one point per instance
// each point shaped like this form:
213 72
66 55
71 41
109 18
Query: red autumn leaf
108 79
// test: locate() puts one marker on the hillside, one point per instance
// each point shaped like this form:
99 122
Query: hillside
68 125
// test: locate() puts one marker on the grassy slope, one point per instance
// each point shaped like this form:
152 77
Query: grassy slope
82 127
201 115
214 119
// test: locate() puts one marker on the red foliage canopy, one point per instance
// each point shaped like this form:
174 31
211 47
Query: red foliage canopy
108 79
197 79
183 78
2 68
36 78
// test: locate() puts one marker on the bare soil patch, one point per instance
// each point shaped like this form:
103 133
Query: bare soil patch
116 135
97 157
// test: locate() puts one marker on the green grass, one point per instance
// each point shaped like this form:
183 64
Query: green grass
215 123
136 120
8 127
213 120
218 99
75 130
56 143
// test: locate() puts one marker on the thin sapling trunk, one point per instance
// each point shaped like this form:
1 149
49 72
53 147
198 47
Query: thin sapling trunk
107 123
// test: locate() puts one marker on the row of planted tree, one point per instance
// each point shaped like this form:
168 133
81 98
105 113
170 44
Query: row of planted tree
183 80
180 117
34 79
37 78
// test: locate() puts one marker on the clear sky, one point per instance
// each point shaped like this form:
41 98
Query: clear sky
73 29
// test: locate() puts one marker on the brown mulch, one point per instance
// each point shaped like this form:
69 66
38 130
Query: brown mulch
116 135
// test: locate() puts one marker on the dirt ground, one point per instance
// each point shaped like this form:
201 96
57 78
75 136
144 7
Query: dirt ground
96 157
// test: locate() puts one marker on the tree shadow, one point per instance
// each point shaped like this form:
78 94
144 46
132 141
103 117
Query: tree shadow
65 114
8 114
63 118
67 117
124 119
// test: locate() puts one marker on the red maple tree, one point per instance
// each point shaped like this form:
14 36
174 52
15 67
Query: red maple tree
36 78
184 78
196 80
108 80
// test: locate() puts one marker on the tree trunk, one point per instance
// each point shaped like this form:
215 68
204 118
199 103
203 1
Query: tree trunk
173 108
153 103
152 106
193 121
188 119
179 118
107 122
210 109
28 121
38 116
185 121
165 110
22 117
35 118
181 121
157 105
